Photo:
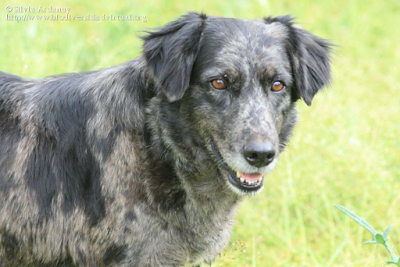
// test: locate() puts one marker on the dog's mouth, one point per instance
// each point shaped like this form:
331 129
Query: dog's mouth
248 183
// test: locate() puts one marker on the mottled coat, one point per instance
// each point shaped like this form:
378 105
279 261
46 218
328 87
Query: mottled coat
141 164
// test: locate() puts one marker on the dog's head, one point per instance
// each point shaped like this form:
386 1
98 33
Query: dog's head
238 82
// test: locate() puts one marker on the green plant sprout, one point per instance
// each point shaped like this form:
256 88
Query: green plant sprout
377 237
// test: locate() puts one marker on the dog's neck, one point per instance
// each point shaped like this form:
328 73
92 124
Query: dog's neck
185 156
177 156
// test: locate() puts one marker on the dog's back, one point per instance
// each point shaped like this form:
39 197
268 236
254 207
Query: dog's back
42 153
11 97
54 133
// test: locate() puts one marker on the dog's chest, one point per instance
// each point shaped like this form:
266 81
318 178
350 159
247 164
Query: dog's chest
186 238
207 234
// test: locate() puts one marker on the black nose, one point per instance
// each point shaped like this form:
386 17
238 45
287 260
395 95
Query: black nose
259 154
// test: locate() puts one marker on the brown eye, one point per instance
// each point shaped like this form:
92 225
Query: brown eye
218 84
277 86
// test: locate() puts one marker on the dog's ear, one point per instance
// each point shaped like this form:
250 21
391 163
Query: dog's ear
312 67
171 51
309 56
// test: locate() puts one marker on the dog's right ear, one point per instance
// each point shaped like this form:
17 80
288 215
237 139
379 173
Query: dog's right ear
171 51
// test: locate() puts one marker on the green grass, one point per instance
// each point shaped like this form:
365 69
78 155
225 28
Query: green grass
345 150
378 237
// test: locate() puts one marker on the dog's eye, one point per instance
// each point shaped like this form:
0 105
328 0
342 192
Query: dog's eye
277 86
218 84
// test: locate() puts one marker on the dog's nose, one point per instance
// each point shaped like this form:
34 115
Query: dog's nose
259 154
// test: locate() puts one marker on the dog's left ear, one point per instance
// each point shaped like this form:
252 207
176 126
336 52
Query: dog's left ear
171 51
312 69
309 56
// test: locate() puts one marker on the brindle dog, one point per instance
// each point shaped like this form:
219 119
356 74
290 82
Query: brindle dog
145 163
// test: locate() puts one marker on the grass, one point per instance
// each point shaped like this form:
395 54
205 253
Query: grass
345 150
377 237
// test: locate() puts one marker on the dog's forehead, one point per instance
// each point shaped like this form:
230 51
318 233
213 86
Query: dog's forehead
246 34
258 27
250 44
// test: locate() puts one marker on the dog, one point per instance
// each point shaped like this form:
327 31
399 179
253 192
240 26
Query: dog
146 163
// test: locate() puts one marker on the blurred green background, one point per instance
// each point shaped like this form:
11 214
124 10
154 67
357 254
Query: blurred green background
345 150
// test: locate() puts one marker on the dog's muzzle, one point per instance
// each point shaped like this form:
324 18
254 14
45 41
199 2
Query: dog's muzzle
248 183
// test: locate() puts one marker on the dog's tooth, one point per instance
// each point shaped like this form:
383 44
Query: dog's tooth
238 174
242 179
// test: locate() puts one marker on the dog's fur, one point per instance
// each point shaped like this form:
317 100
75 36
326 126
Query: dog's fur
128 166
